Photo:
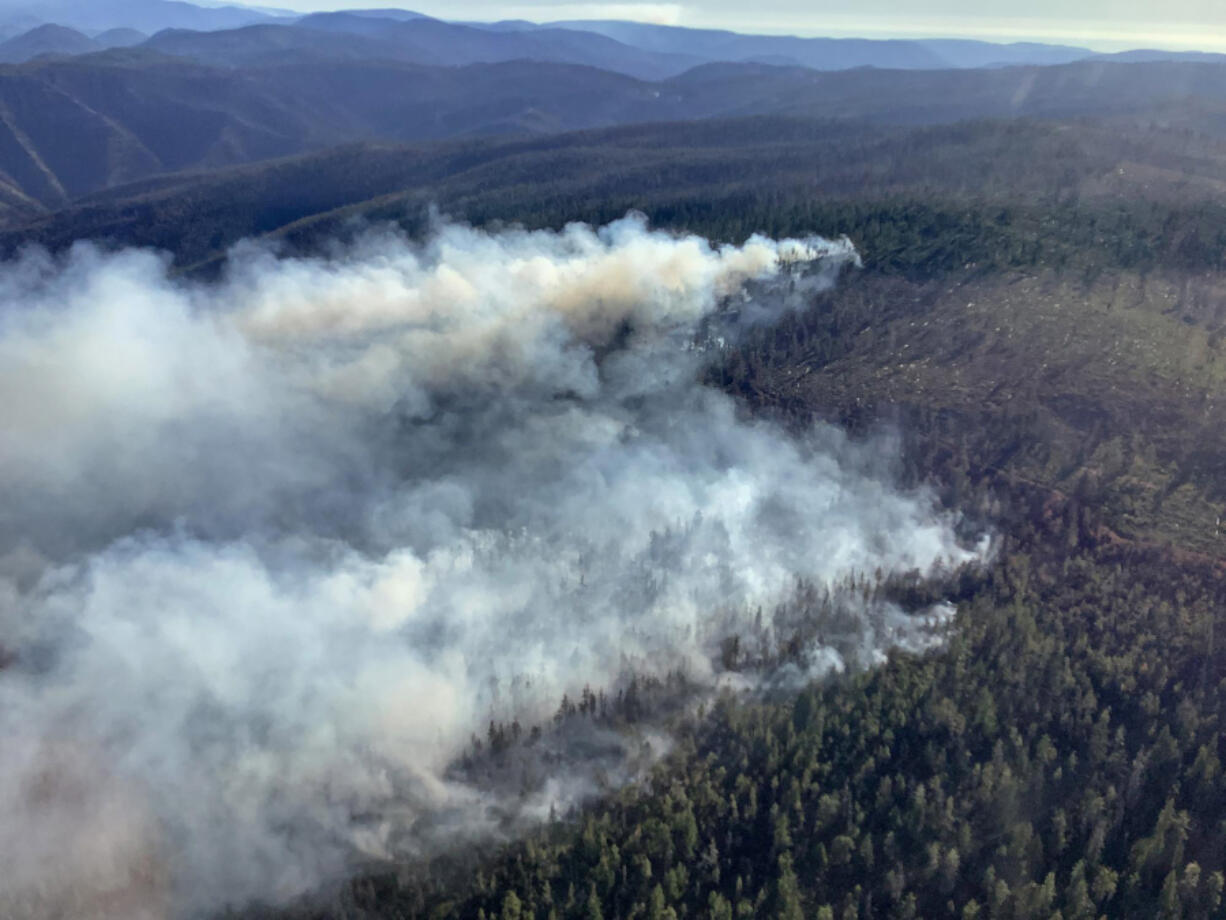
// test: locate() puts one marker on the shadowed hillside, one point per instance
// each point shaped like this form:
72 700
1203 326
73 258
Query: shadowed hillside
70 127
913 198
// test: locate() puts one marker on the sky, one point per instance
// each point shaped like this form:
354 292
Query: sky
1102 24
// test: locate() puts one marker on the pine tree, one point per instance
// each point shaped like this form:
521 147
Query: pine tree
511 907
785 896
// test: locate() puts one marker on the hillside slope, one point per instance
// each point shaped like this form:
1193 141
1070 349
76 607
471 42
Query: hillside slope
1042 318
728 178
70 127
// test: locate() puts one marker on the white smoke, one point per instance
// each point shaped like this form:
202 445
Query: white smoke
272 549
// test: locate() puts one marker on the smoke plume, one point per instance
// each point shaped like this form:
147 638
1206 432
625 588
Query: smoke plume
273 548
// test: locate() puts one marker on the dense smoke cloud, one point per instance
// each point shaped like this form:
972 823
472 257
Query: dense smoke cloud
272 549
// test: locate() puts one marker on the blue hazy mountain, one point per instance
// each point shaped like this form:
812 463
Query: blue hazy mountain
818 53
148 16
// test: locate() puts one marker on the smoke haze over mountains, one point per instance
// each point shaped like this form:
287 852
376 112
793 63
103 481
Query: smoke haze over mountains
273 548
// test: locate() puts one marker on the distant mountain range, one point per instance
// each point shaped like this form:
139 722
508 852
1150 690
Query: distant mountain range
76 125
637 49
711 45
51 39
117 91
148 16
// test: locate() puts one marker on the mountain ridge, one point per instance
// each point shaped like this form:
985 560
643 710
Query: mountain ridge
73 126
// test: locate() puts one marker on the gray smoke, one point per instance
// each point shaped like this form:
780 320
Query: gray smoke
272 549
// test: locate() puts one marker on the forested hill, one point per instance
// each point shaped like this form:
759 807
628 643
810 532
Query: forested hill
70 127
1006 193
1042 317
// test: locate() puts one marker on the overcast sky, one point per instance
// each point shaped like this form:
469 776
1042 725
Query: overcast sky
1108 24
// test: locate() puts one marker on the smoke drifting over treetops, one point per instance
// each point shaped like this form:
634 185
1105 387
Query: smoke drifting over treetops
272 549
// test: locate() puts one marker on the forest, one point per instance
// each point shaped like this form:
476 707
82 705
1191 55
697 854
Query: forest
1044 331
1038 322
